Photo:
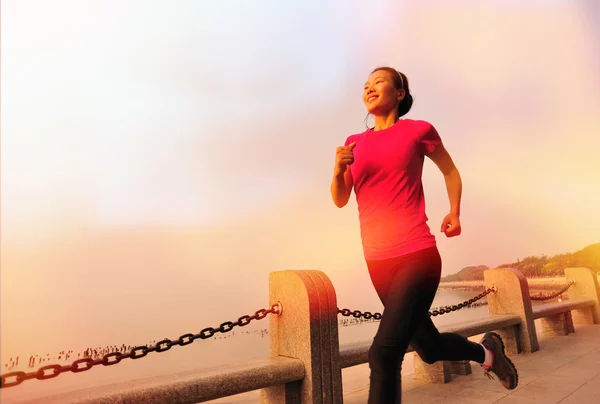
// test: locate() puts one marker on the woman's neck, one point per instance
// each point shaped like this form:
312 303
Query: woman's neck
385 121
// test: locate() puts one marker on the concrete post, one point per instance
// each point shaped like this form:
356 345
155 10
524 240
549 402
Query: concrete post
512 297
438 372
556 325
585 287
307 329
460 367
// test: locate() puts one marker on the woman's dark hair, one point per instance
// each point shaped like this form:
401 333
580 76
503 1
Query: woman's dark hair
400 83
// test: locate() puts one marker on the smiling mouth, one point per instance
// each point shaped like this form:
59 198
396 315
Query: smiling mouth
372 97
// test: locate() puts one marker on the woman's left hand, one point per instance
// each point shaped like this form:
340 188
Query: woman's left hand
451 225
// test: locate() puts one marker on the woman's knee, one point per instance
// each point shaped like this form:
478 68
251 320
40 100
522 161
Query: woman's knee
385 356
429 357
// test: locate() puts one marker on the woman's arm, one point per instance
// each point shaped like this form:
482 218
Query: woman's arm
341 187
451 223
442 159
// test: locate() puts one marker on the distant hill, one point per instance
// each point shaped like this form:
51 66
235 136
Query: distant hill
467 274
534 266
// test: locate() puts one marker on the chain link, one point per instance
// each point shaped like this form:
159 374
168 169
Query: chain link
437 312
541 297
470 306
81 365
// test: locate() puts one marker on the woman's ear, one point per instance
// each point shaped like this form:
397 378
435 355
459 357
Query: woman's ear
401 94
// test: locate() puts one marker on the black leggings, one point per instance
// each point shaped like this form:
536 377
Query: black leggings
406 286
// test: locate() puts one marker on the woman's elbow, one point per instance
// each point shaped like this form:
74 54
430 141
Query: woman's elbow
340 200
452 172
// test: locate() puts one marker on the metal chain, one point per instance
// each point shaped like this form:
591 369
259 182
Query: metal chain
466 303
470 306
541 297
81 365
377 316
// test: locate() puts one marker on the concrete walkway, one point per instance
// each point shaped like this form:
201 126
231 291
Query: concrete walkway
565 370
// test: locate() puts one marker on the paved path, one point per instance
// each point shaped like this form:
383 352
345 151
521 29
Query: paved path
565 370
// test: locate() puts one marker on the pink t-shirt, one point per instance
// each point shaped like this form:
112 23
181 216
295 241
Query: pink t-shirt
387 170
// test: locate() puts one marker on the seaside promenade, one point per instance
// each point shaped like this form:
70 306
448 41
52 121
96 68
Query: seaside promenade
553 339
565 370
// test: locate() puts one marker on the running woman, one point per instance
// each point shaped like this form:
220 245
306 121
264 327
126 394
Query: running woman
384 165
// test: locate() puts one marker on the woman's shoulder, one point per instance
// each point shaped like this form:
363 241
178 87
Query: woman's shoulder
420 128
418 123
354 137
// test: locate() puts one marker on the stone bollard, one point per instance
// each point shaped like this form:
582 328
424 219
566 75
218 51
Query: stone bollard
307 330
570 325
585 287
460 367
556 325
512 297
438 372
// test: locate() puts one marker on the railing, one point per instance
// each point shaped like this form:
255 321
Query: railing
306 360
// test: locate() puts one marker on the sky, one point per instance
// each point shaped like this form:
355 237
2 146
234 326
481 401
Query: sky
187 146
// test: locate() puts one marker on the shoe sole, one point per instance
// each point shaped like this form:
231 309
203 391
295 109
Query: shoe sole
493 334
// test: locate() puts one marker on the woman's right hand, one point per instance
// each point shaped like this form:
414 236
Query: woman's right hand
344 156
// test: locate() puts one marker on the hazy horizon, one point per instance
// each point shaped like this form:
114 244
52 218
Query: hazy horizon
155 153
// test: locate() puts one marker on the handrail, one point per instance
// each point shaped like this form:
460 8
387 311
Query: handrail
192 386
550 309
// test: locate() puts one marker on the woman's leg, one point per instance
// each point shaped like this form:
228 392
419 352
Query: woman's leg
406 286
433 346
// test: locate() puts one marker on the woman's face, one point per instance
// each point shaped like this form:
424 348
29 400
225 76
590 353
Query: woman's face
380 95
